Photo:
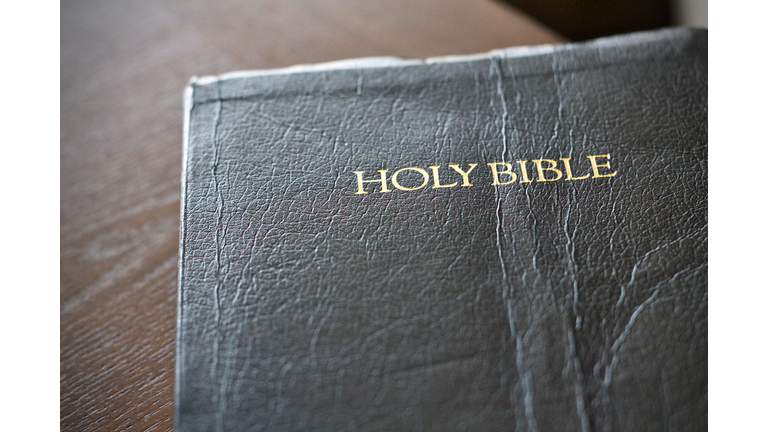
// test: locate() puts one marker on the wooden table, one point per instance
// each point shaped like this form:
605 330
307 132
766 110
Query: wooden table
124 65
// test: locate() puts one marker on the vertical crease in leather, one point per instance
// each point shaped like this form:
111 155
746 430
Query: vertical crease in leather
572 323
507 291
217 300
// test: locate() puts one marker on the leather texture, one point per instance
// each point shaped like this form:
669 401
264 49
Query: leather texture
569 305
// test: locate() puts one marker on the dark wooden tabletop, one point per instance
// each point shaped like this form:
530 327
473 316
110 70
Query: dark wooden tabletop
124 66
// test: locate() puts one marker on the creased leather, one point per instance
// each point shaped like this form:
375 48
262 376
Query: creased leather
545 306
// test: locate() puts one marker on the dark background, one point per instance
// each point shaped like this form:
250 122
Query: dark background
124 66
587 19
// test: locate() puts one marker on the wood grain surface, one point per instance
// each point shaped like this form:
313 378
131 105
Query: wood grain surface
124 65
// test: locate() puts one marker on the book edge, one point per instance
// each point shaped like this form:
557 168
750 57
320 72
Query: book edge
188 104
390 61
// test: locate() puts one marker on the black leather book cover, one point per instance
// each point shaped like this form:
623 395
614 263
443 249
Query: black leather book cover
509 241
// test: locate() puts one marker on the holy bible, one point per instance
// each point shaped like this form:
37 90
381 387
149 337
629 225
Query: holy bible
514 240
